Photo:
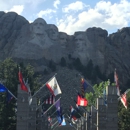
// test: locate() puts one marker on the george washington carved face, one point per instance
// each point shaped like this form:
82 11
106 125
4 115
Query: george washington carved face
39 26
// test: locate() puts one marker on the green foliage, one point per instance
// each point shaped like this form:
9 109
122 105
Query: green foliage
98 92
124 115
9 78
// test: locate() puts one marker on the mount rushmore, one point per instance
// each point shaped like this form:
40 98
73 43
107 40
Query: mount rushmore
38 42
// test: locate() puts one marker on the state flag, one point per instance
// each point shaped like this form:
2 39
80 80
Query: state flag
81 101
53 86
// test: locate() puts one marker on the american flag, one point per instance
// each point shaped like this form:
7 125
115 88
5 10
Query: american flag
50 100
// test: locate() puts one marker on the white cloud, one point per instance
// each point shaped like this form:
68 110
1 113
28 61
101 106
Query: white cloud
78 5
17 8
8 4
56 3
45 13
105 15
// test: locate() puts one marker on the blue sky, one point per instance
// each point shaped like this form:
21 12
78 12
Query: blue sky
71 15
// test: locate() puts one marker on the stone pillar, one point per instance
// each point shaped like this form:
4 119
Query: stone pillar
101 114
93 119
32 115
112 108
22 110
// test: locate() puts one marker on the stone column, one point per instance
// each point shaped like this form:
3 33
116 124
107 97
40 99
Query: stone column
93 118
101 114
32 115
112 109
22 110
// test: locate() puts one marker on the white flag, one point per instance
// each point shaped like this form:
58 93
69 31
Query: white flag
53 86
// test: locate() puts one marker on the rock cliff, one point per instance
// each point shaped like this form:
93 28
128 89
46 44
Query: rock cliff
39 42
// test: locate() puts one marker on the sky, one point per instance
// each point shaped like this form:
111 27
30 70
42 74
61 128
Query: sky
71 15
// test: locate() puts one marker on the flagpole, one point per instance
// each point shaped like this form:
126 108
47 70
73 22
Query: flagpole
56 126
12 94
70 121
40 105
51 106
44 84
43 102
8 91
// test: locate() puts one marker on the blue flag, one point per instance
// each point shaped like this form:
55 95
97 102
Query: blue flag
9 97
63 121
3 88
105 97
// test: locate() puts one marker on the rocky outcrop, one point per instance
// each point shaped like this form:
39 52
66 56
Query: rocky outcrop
39 42
10 26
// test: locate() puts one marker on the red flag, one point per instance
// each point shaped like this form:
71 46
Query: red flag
23 86
81 101
124 100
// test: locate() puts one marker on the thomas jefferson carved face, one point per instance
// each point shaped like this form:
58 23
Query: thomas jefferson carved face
53 32
39 26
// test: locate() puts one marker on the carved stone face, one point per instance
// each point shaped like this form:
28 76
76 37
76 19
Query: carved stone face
63 39
80 42
53 32
39 26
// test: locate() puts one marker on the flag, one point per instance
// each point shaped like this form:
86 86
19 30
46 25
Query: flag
84 84
63 121
3 88
57 105
105 97
9 95
23 86
50 100
81 101
117 83
72 115
124 100
53 86
29 92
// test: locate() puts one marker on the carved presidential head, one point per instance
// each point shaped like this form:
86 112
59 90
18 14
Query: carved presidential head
52 31
80 40
39 26
63 37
